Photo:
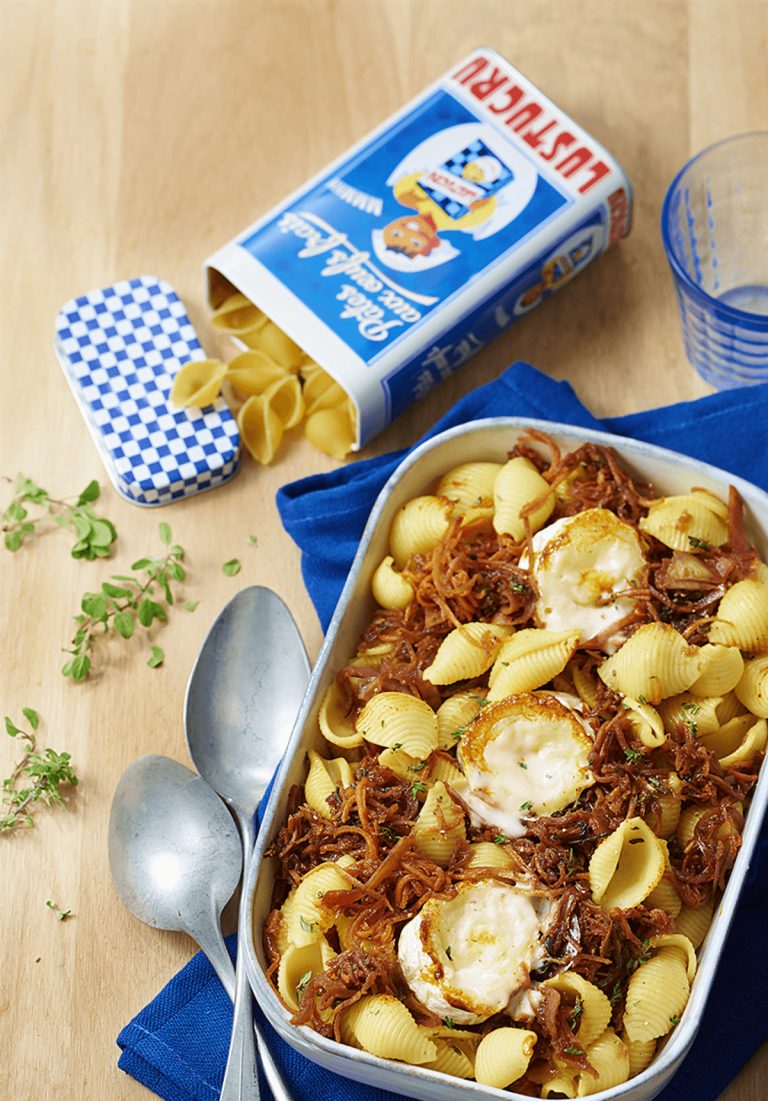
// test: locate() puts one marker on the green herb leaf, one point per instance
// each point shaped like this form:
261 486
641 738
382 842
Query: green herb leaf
231 568
157 657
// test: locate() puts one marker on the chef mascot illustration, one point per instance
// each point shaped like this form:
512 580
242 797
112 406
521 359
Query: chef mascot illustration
465 180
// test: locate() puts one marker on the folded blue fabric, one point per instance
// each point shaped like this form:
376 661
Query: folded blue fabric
177 1045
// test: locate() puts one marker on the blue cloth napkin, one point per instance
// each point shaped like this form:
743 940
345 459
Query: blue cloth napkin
177 1045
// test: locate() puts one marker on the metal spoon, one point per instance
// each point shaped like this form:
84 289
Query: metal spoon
242 699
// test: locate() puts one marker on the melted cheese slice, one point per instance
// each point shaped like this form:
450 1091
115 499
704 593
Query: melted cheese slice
465 957
580 565
525 755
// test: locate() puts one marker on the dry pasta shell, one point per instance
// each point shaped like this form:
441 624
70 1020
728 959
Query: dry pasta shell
469 485
529 660
252 372
325 778
610 1058
752 689
503 1056
332 431
400 721
284 397
417 527
654 663
685 521
276 344
197 383
439 827
626 866
261 429
383 1026
334 721
299 964
238 315
330 397
466 651
646 722
595 1005
518 486
454 715
742 618
316 381
390 589
721 670
656 996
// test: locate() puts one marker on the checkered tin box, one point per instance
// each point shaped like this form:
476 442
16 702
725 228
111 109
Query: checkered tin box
120 349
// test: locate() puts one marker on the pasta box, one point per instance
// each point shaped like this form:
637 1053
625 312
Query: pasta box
486 441
432 235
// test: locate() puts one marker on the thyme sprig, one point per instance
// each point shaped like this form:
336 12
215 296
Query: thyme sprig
119 606
93 535
44 773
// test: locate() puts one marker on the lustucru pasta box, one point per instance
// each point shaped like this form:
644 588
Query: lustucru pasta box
431 236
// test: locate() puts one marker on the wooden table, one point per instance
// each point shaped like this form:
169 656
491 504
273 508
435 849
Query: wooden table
137 136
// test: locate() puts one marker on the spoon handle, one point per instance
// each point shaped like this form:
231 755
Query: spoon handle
241 1081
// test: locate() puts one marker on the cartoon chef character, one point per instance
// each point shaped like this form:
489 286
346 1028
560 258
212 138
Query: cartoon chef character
419 235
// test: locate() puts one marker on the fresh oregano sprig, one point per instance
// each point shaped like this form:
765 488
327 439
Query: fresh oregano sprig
121 605
35 779
93 535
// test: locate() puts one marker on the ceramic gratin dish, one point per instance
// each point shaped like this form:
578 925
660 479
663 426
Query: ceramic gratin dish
489 440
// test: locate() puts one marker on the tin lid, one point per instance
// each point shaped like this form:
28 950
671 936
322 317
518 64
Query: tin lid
120 349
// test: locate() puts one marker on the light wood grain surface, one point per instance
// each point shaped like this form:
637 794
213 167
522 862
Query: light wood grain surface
136 137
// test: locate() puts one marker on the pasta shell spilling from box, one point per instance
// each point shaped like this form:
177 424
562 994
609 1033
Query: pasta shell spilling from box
530 780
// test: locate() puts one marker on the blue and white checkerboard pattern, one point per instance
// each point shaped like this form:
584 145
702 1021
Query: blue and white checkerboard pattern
120 349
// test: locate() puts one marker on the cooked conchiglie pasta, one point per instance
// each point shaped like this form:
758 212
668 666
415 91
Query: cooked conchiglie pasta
752 689
444 768
400 721
698 713
503 1056
626 866
646 721
466 652
307 918
487 854
333 431
451 1059
334 721
640 1053
754 742
455 714
417 527
742 618
610 1059
664 895
727 738
595 1007
694 924
252 372
655 662
197 383
690 819
383 1026
400 762
390 589
519 485
669 801
325 778
299 964
685 521
529 660
439 827
469 486
261 429
683 945
584 683
721 670
657 994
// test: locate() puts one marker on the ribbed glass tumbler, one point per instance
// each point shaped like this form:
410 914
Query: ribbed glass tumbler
714 225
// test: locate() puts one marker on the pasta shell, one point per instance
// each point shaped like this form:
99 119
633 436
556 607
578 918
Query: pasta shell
308 918
654 663
238 315
687 520
284 397
610 1058
454 715
626 866
694 924
333 431
754 742
698 713
519 485
721 670
670 803
742 618
390 589
261 429
646 722
400 721
197 383
451 1059
252 372
334 721
417 527
730 736
584 684
487 854
383 1026
440 826
683 946
503 1056
400 762
299 964
595 1006
640 1052
752 689
664 895
444 769
276 344
529 660
325 778
656 996
467 651
469 485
